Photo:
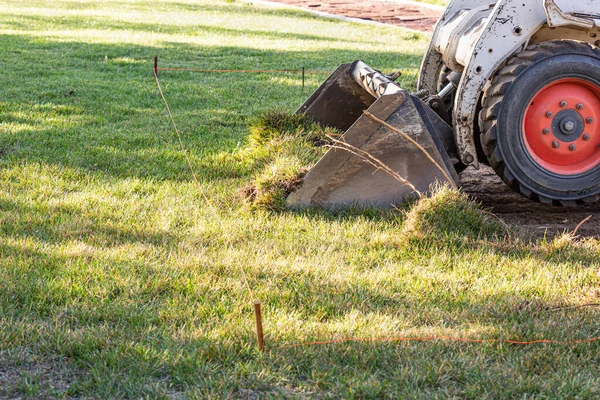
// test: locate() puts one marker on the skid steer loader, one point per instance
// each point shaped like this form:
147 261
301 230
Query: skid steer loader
512 84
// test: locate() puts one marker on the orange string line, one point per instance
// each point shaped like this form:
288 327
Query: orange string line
193 173
446 338
245 71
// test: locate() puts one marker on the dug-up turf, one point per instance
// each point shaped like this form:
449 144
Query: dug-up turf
282 148
450 213
482 185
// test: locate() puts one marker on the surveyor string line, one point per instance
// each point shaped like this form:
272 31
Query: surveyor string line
184 151
443 338
195 178
244 71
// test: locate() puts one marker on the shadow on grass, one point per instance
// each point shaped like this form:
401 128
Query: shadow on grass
112 119
133 327
61 223
109 313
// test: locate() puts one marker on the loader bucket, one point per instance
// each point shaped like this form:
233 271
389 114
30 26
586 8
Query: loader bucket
343 178
343 97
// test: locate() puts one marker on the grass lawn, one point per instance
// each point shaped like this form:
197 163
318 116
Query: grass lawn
118 280
437 2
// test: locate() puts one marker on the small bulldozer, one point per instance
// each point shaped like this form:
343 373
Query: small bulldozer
511 84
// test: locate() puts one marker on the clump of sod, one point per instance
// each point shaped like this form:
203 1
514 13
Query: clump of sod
450 213
283 147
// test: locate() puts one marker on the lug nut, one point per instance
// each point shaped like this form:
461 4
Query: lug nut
549 114
580 106
589 120
563 104
586 137
572 147
546 131
555 144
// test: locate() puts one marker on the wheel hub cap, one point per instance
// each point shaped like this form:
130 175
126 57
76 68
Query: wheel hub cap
568 126
568 109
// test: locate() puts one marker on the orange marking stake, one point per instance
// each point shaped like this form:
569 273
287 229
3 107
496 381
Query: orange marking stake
259 327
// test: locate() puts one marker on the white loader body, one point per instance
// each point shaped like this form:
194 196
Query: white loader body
514 84
476 37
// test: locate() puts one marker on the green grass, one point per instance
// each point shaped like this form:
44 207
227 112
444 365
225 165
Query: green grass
437 2
118 280
282 148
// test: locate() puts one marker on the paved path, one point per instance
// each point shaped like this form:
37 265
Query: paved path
408 15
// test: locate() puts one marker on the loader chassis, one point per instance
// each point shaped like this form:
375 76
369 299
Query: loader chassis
477 39
516 82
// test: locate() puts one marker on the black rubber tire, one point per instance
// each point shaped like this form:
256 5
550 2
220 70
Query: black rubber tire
501 120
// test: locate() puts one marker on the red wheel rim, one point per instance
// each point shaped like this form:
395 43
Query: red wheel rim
561 127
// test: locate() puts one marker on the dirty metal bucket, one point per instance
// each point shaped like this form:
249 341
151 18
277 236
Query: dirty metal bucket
343 178
343 97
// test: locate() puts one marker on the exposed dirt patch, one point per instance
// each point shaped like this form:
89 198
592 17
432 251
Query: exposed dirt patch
485 186
406 15
25 375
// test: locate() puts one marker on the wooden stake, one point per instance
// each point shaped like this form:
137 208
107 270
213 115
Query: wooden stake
259 326
155 65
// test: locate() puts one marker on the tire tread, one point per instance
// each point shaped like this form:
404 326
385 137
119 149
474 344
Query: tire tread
493 100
